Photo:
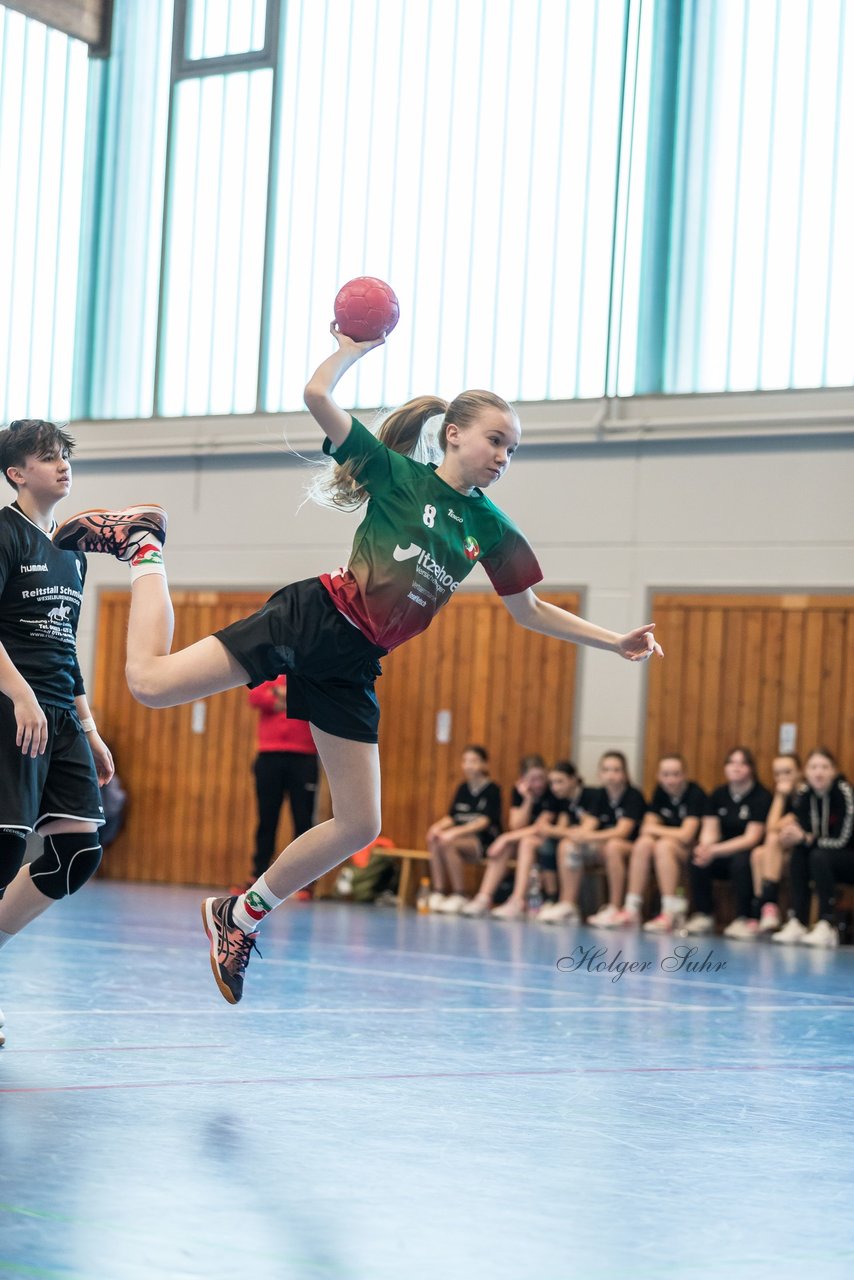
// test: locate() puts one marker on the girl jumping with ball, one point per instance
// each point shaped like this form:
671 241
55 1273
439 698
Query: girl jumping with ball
425 528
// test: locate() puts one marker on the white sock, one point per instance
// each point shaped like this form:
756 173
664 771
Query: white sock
5 937
148 559
253 905
672 904
634 902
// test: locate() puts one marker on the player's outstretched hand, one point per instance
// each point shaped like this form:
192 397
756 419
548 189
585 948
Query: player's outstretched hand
32 726
640 644
103 758
350 344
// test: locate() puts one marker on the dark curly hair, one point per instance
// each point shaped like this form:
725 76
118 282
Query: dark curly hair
32 438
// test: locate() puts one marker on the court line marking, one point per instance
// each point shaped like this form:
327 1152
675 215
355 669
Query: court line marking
649 977
377 1077
432 1010
115 1048
720 985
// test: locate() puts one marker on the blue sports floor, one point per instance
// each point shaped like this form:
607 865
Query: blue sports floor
411 1098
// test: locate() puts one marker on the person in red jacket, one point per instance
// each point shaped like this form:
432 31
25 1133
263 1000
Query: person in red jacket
286 764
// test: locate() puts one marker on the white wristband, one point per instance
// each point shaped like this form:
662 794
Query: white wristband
88 725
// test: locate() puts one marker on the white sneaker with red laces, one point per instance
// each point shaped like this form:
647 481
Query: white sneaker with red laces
769 918
558 913
509 910
662 923
453 905
122 534
792 933
742 929
822 934
607 918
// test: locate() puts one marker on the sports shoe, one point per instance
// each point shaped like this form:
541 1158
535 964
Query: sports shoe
477 907
509 910
769 918
559 913
822 934
2 1033
607 918
230 946
436 900
453 904
627 919
700 923
116 533
742 929
662 923
791 933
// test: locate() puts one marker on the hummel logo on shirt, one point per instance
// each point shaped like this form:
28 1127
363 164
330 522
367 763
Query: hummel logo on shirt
406 553
33 568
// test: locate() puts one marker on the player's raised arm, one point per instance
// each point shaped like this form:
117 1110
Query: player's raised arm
318 391
550 620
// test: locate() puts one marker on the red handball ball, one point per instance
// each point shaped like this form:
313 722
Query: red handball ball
366 308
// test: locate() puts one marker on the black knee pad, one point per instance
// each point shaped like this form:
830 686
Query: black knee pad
13 846
65 864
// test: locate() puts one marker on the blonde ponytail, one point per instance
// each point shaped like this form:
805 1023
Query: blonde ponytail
403 430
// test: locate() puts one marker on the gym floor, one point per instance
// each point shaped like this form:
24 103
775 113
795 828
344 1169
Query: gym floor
416 1097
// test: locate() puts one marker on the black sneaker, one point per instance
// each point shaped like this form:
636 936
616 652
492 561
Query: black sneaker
230 946
122 534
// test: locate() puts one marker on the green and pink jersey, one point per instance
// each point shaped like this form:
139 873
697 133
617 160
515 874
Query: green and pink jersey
418 541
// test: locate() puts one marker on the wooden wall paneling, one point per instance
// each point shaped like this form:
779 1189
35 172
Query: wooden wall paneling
481 670
446 755
832 674
761 661
705 760
731 683
693 672
810 721
791 674
770 680
749 727
499 728
654 709
845 745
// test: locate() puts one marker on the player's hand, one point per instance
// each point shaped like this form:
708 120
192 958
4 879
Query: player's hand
791 835
350 344
703 855
32 726
639 644
104 766
497 848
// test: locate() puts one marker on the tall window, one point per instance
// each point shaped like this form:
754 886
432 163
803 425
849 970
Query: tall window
762 262
468 152
43 94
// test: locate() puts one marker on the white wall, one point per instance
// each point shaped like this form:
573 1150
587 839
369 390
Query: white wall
617 520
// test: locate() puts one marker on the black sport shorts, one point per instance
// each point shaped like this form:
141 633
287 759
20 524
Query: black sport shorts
330 665
60 784
547 855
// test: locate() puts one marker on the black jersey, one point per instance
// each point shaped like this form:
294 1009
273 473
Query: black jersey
630 804
828 817
486 803
734 815
542 804
577 808
41 591
672 813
